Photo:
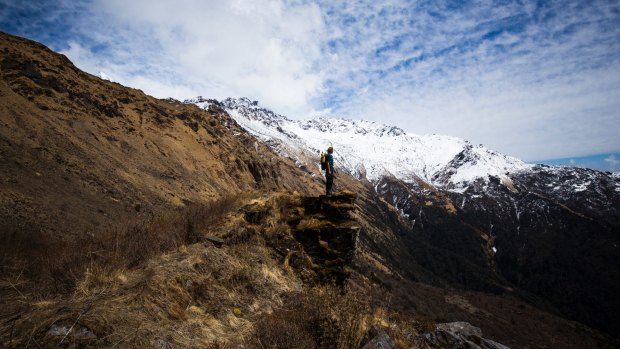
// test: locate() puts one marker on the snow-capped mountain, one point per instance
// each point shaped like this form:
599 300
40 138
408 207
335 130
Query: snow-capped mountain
373 150
494 222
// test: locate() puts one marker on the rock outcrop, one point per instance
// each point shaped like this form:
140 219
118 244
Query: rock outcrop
381 340
456 335
316 236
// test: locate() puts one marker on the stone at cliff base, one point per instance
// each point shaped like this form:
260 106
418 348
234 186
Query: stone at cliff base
456 335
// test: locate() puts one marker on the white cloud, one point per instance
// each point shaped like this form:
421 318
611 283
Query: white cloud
264 50
612 161
546 89
78 53
533 80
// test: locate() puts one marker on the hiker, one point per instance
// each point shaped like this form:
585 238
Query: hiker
329 171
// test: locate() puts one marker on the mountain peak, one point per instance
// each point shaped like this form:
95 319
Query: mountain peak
240 102
363 127
372 150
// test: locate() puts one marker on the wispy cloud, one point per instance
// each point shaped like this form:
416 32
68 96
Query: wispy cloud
269 51
613 162
531 79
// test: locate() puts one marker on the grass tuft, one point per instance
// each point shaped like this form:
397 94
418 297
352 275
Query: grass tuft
321 317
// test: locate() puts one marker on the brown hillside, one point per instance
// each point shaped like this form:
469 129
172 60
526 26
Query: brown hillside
77 151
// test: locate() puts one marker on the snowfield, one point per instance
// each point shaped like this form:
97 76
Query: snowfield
370 150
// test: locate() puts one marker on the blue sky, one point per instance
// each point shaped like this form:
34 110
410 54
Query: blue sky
602 162
532 79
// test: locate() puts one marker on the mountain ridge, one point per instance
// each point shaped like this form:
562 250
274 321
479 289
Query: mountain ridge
440 160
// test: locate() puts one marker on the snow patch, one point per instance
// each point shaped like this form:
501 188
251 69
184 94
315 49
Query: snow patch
581 186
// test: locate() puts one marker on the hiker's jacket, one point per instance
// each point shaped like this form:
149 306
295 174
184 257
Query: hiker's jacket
330 163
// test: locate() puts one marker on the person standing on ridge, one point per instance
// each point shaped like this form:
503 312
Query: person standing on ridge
329 171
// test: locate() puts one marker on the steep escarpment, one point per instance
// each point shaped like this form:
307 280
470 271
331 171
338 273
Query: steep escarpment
93 171
553 241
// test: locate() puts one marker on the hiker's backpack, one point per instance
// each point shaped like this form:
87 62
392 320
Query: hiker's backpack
323 161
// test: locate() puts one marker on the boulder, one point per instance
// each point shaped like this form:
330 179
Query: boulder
381 340
460 335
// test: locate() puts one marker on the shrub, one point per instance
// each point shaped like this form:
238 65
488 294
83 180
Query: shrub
321 317
55 265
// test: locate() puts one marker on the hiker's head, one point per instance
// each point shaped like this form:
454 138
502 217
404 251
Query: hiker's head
330 150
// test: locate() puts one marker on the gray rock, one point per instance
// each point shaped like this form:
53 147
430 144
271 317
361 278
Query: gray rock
380 341
461 335
162 344
493 345
75 332
56 330
461 328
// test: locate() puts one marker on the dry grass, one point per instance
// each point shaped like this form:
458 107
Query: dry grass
403 328
314 224
194 297
321 317
149 286
56 267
